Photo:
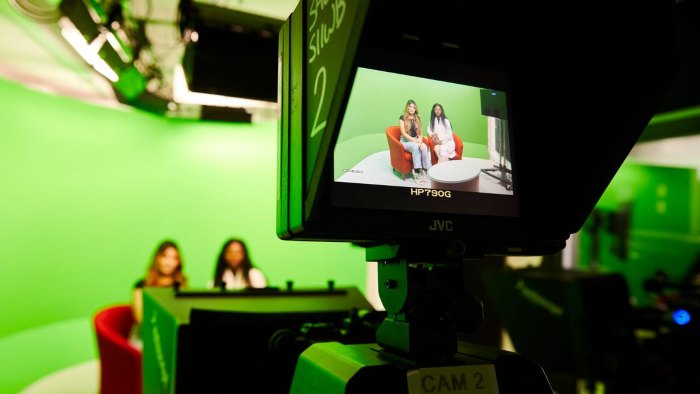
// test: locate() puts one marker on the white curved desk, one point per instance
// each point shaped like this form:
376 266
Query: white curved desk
461 175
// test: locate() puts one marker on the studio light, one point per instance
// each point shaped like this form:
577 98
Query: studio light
86 16
229 62
230 58
100 41
112 41
183 95
89 52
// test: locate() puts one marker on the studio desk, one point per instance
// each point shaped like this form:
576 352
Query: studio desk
211 341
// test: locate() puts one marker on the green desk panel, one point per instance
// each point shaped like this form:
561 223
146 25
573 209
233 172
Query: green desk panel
172 351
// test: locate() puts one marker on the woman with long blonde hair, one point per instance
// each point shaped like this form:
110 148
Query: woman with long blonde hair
165 270
412 141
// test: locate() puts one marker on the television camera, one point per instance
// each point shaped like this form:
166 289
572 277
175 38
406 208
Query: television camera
565 118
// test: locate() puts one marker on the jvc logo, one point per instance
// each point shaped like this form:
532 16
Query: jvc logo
441 225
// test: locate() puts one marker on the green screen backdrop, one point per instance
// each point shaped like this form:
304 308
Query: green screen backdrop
87 194
377 100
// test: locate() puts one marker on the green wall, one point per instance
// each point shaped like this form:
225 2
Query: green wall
665 224
88 192
377 100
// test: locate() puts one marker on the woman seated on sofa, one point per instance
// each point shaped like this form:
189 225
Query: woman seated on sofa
234 270
412 141
165 270
440 130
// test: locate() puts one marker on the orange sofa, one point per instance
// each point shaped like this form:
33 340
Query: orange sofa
459 146
120 363
401 161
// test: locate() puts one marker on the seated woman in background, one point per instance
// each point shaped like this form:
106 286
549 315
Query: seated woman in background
440 130
165 270
234 268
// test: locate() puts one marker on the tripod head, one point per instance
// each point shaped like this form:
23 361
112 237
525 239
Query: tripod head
421 286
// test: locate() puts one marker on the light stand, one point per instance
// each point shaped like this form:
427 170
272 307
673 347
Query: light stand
501 170
417 348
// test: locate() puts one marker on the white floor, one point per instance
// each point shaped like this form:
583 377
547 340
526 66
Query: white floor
376 170
79 379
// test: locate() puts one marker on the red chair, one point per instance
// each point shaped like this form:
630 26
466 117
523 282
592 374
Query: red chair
401 161
459 147
120 363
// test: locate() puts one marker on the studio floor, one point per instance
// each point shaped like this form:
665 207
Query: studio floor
375 170
78 379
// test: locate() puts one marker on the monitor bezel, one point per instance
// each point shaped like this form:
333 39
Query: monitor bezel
483 234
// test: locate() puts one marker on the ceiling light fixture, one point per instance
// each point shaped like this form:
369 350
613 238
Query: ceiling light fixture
183 95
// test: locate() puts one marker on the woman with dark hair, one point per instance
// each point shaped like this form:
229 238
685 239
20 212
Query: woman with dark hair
165 270
440 130
234 268
412 141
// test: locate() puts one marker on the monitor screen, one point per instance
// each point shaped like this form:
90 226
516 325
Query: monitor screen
464 153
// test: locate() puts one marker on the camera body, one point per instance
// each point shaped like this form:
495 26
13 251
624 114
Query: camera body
539 130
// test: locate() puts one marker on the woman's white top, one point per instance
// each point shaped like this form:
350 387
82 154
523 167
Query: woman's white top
444 132
236 281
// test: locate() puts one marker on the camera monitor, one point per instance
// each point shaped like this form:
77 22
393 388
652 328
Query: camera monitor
536 138
366 152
